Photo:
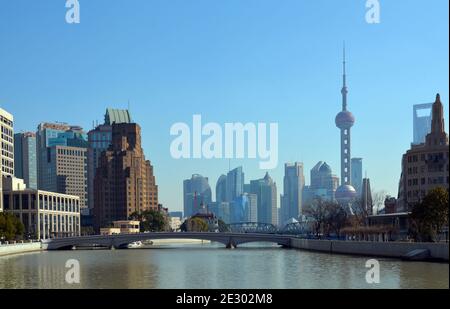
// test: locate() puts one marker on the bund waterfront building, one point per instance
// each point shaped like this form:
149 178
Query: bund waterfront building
266 191
124 182
196 192
425 166
25 160
44 214
62 160
7 147
292 198
99 140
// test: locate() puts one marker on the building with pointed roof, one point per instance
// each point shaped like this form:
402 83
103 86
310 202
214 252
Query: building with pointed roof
425 166
266 191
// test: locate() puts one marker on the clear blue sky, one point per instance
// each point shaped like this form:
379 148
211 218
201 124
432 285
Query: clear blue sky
230 61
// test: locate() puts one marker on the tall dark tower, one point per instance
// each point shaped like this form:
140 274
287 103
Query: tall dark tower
345 121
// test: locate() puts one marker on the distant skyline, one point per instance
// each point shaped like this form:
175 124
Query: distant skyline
231 61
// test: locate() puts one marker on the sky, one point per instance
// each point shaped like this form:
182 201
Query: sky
230 61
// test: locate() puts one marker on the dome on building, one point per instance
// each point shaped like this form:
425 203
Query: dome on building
345 194
345 120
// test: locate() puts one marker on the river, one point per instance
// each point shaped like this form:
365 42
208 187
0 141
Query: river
212 266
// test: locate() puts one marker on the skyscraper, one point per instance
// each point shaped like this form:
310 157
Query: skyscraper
266 191
357 176
421 122
99 140
293 184
62 160
221 189
323 184
25 161
425 166
235 184
196 191
124 182
7 149
345 121
366 196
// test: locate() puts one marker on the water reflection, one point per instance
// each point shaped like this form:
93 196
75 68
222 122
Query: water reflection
212 266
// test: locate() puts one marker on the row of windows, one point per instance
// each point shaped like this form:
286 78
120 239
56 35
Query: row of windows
431 181
6 121
427 157
71 152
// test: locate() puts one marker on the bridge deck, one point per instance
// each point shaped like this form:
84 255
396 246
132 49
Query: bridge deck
120 240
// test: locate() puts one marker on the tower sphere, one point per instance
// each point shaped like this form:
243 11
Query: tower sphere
345 194
345 120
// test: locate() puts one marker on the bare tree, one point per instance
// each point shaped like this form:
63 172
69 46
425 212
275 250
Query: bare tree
317 211
329 217
378 198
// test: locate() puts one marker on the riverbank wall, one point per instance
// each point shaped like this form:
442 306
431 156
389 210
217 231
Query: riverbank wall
19 248
437 251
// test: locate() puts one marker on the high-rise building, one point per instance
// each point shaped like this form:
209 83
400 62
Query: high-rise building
25 160
252 209
421 122
425 166
124 182
266 191
222 210
7 147
294 182
323 184
62 160
221 189
366 196
235 184
345 120
244 208
357 174
196 191
99 140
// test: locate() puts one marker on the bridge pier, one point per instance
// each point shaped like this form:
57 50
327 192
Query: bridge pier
231 244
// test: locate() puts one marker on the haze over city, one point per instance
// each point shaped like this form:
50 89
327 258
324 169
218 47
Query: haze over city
233 61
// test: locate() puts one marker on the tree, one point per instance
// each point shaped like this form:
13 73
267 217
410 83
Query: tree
151 220
223 227
378 198
329 216
336 218
430 215
194 224
316 210
11 227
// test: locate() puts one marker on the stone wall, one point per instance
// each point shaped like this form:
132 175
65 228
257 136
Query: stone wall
368 248
19 248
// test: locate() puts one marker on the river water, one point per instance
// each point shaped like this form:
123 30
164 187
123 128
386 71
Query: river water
212 266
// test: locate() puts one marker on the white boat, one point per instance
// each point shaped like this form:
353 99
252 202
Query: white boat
135 245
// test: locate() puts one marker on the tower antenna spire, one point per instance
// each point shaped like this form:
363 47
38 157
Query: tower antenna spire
344 90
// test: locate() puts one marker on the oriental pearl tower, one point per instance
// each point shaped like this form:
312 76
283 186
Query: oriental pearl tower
345 194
